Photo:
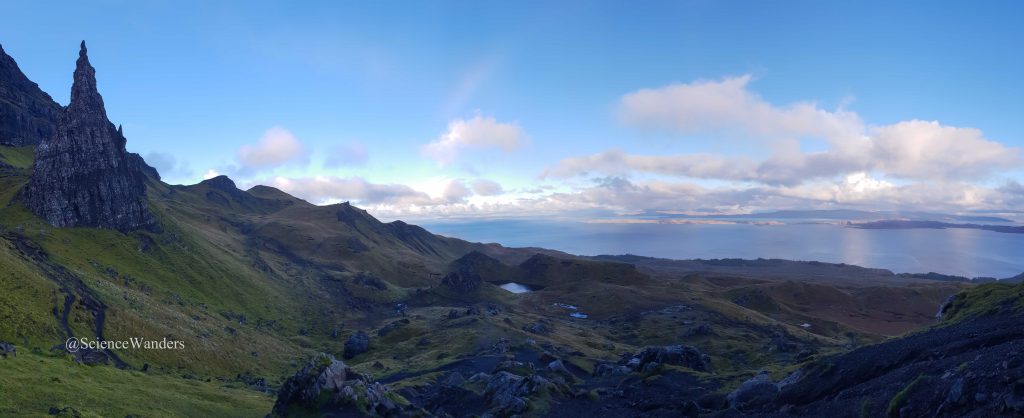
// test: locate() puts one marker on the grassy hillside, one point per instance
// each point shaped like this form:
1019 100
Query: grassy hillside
985 299
20 157
33 383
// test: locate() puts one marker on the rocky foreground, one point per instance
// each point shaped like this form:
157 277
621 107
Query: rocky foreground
970 369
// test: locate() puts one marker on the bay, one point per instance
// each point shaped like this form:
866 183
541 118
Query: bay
965 252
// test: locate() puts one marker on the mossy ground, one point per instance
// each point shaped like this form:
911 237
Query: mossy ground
988 298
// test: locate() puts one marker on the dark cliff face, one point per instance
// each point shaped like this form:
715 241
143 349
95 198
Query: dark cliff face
83 176
27 114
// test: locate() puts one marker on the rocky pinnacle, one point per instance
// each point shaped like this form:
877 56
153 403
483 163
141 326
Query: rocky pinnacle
83 176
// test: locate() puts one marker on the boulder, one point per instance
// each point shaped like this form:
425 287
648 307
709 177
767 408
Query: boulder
357 344
7 348
504 392
539 328
755 394
609 369
676 355
507 393
558 367
65 412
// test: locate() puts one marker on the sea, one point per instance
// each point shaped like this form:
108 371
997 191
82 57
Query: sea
963 252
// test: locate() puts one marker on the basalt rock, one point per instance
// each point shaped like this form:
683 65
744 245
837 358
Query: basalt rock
83 176
27 114
677 355
462 281
7 348
327 387
754 394
357 344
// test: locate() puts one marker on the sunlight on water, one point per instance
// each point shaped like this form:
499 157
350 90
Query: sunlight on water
515 287
949 251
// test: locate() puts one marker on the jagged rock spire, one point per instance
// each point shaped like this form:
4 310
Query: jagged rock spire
84 176
84 92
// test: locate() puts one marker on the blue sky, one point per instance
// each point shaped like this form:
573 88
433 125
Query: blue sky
555 107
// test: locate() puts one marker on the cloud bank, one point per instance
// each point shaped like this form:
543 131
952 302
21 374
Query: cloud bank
910 150
913 164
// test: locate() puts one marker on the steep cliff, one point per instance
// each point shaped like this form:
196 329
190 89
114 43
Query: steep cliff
27 114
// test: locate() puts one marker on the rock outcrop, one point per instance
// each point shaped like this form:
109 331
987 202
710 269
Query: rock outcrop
466 273
462 281
973 368
8 348
676 355
327 387
83 176
27 114
753 393
357 344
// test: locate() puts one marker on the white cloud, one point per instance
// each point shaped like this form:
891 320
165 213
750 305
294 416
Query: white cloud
456 191
913 150
616 163
170 169
619 194
484 187
211 173
328 188
347 154
927 150
476 133
727 106
276 147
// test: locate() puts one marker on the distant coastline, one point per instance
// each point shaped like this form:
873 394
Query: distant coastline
905 224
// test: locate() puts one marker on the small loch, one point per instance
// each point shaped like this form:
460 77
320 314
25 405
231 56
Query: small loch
518 287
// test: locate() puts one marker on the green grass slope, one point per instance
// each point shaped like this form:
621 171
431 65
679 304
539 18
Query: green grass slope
33 383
